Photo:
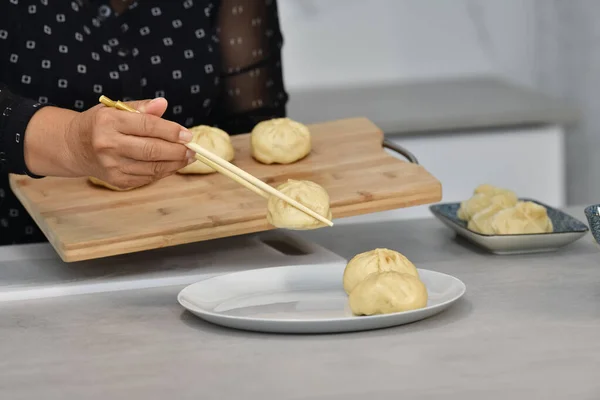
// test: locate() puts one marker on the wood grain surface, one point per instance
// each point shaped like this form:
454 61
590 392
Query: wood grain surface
83 222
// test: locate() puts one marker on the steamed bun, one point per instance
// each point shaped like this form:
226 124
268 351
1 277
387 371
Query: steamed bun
483 197
525 217
214 140
283 215
482 221
479 219
491 190
375 261
100 182
388 292
473 205
280 140
497 211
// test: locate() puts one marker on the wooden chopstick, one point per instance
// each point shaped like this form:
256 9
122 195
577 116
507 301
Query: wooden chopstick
233 176
255 181
231 171
117 104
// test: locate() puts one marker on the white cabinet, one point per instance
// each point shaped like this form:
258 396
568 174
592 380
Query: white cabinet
528 160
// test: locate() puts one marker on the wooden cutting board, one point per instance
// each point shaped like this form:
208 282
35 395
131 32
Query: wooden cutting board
83 222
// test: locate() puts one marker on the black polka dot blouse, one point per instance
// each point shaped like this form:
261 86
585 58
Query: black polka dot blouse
217 63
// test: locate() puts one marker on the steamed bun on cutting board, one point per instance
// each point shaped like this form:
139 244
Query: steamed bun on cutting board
214 140
375 261
283 215
383 281
280 141
101 183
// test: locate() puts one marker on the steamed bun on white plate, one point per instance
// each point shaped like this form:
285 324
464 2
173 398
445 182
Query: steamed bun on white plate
387 292
283 215
383 281
280 141
375 261
214 140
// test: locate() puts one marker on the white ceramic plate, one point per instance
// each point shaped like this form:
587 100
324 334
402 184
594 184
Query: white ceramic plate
301 299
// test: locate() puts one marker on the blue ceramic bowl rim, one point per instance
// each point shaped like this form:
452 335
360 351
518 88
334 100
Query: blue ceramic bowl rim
434 208
589 209
592 213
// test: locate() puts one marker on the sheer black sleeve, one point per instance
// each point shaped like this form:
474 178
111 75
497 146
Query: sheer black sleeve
250 43
15 112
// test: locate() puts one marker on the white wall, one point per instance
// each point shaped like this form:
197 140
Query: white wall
337 42
551 45
507 30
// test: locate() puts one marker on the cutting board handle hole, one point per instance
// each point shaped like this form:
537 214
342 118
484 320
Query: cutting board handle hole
285 247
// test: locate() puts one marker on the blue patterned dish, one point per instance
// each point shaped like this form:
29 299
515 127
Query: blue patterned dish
567 229
592 213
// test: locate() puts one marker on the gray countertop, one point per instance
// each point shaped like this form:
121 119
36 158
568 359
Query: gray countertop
528 327
440 105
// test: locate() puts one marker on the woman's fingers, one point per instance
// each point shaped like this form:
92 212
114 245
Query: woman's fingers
151 149
134 149
147 125
157 170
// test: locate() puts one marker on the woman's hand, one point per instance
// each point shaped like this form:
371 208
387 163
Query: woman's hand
123 149
128 149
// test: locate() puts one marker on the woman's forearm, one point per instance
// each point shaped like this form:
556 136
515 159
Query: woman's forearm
46 143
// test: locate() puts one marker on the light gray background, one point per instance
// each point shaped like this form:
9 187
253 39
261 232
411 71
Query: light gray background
547 45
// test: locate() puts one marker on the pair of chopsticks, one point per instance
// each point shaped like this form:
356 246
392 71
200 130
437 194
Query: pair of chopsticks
229 170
